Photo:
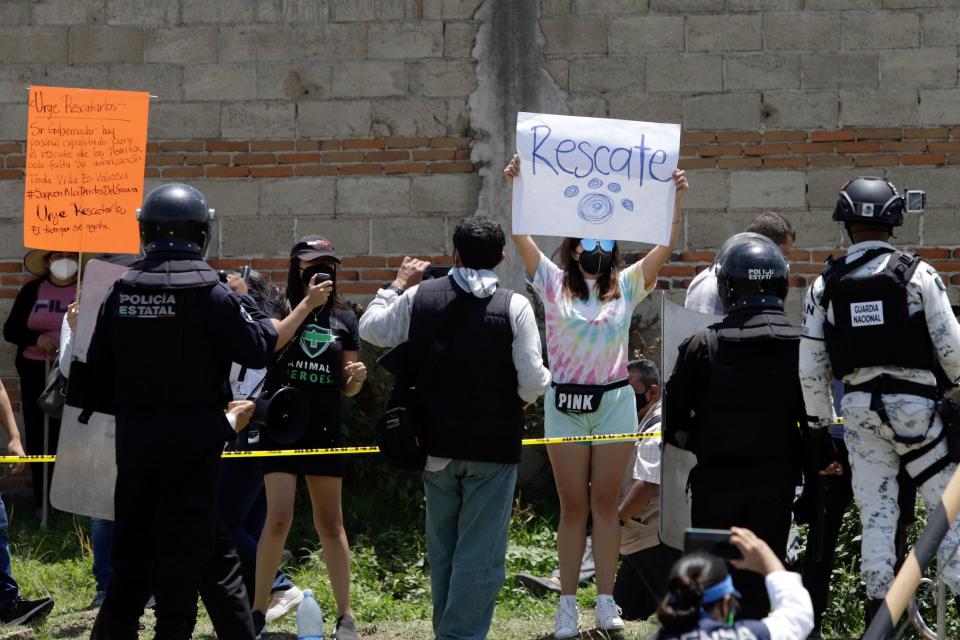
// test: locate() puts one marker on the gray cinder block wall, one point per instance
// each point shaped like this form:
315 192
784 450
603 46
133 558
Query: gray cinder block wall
382 122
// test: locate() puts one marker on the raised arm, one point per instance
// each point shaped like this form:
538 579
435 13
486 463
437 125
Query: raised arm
526 247
316 296
651 263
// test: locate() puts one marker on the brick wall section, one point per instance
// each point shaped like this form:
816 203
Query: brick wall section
360 277
887 147
180 159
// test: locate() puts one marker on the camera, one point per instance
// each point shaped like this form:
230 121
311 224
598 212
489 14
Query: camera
243 274
915 201
714 541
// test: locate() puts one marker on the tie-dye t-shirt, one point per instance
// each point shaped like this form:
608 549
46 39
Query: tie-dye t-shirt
587 342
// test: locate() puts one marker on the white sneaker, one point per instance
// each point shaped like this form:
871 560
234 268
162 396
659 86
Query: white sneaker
283 603
566 622
608 614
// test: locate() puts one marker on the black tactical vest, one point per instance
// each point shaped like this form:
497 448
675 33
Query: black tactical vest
462 347
872 324
751 400
157 324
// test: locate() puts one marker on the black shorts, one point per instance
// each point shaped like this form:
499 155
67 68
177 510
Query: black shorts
316 437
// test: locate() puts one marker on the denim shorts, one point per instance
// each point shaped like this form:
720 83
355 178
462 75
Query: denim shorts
617 414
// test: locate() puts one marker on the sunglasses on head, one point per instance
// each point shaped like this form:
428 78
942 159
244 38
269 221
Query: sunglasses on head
589 244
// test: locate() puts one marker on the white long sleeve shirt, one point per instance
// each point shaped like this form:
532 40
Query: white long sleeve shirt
792 615
702 294
66 347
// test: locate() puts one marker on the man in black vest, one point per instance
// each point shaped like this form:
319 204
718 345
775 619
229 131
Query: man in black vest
734 399
477 352
161 353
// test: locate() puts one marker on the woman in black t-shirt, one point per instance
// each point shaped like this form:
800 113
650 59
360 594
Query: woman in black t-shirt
322 361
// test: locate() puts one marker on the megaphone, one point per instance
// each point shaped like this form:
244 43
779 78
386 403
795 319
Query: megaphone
285 413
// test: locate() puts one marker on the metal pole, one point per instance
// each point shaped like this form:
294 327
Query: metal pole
941 609
46 449
908 579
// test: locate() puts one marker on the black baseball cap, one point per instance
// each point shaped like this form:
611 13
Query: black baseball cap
310 247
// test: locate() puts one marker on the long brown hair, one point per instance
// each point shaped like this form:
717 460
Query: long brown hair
574 284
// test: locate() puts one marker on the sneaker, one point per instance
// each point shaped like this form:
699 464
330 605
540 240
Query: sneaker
23 611
538 585
259 622
346 628
98 599
283 603
567 622
608 614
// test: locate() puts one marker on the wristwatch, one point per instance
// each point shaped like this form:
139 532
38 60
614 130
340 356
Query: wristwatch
397 290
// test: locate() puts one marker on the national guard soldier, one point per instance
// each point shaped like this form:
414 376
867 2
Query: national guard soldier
879 320
734 400
161 352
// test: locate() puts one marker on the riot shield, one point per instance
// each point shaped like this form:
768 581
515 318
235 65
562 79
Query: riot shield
677 325
86 470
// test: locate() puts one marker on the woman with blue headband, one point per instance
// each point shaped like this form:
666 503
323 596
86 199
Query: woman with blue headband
701 597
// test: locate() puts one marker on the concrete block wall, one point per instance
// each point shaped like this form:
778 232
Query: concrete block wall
381 122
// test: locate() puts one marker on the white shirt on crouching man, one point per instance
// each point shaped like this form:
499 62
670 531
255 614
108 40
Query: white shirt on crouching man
386 323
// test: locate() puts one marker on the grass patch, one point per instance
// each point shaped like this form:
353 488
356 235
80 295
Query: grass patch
391 582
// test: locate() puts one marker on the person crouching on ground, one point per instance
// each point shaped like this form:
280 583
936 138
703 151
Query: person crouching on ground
701 600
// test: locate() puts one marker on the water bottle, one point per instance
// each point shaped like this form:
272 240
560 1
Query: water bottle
309 618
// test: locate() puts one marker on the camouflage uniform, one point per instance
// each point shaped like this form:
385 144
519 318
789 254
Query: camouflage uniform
874 454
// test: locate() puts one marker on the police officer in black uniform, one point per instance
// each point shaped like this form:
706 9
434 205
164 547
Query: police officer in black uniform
161 353
734 399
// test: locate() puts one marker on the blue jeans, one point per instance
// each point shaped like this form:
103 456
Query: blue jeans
101 539
8 586
468 514
242 504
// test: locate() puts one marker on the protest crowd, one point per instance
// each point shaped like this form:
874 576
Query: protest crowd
242 364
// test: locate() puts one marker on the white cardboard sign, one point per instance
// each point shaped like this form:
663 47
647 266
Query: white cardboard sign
595 178
86 470
677 324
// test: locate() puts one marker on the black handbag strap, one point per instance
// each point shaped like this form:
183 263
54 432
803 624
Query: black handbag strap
278 361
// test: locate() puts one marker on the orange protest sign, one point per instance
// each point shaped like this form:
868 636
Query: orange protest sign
86 150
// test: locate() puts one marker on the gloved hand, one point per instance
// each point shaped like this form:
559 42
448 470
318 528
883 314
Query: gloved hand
823 452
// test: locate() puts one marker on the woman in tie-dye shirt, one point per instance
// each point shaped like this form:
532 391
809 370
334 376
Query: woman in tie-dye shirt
588 300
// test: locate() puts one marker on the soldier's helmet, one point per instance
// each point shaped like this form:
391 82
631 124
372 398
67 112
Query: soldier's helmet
175 217
869 199
751 271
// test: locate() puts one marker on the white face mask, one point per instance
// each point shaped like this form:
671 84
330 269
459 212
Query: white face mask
64 268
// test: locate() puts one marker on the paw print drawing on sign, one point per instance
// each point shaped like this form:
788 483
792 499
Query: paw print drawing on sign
596 206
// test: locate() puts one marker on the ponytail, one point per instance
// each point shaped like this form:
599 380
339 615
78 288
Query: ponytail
679 611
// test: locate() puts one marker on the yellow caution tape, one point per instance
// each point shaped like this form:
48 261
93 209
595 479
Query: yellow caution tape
331 451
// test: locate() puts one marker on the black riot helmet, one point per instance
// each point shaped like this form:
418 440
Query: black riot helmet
175 217
752 272
736 239
871 200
